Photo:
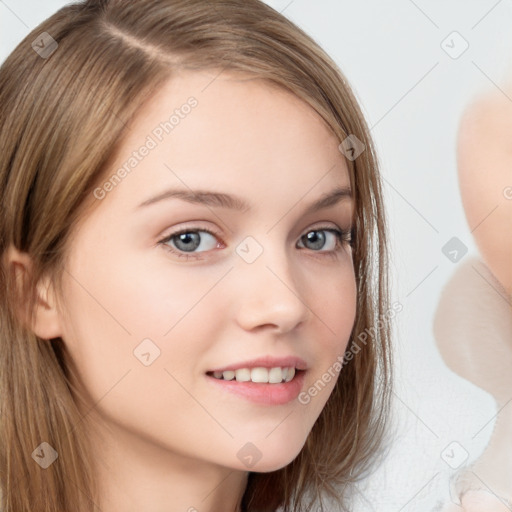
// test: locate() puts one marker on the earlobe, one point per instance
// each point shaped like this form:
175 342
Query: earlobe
46 320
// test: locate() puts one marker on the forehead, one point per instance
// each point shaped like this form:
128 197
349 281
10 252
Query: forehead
228 131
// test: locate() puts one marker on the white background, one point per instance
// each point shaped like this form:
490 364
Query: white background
412 94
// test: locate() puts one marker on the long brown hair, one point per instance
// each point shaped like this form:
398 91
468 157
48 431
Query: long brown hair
65 106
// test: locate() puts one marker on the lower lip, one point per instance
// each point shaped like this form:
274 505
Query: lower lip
266 394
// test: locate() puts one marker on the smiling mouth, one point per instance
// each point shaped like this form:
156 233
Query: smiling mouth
277 375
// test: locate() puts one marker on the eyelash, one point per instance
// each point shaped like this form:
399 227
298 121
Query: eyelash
342 235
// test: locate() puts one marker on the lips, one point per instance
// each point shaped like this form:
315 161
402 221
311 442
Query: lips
266 394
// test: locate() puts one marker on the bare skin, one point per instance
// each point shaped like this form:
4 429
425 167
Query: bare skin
165 438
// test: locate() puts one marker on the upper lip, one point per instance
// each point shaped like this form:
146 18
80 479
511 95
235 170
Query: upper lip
266 362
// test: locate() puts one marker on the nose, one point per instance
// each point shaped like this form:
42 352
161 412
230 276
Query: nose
271 294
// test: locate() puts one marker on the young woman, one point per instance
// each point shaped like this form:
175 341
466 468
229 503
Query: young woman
194 266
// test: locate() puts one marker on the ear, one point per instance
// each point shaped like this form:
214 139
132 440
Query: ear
46 321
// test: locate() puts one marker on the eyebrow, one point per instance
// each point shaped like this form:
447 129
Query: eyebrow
223 200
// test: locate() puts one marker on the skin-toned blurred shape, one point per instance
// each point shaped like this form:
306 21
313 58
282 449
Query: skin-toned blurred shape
473 331
473 320
478 501
484 161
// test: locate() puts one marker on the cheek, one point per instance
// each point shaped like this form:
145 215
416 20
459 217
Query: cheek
116 313
136 376
138 315
333 301
334 306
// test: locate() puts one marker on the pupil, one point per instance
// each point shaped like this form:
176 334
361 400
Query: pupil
186 238
320 239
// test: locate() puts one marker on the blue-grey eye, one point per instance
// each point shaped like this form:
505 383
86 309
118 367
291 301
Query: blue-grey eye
317 238
190 241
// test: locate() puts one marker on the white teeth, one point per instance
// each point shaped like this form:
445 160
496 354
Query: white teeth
274 375
243 375
259 375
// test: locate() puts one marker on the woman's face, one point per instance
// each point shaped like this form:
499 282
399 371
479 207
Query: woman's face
147 314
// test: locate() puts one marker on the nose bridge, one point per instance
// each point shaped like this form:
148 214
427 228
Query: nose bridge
270 287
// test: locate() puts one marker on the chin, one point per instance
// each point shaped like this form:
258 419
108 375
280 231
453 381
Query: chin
274 462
